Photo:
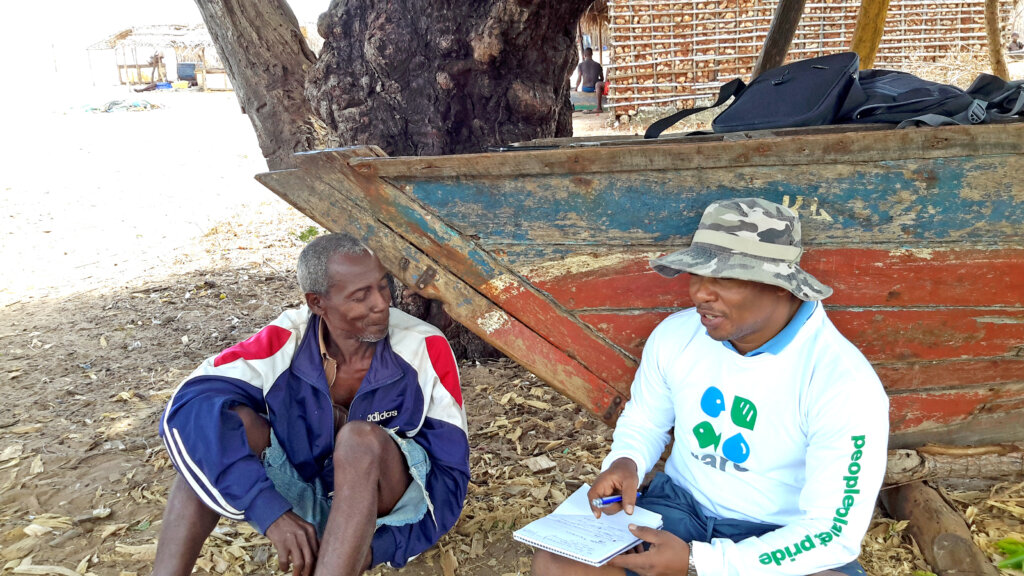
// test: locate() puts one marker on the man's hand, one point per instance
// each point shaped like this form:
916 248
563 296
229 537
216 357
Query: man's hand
620 478
669 555
296 543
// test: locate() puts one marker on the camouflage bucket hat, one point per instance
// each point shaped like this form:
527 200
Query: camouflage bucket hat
747 239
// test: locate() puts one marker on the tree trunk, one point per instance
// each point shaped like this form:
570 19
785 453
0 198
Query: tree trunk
267 60
995 41
414 77
420 77
780 35
868 32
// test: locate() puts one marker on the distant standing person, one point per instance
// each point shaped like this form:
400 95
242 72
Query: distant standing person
1015 44
591 76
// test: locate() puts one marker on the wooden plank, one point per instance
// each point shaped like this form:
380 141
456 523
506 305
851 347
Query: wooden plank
952 276
986 429
910 376
941 142
932 334
690 137
897 203
627 328
481 270
335 212
882 335
868 31
926 409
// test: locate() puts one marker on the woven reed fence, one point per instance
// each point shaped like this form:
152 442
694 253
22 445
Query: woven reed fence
664 51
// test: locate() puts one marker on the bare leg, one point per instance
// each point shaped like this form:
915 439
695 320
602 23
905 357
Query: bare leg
370 476
548 564
599 89
187 520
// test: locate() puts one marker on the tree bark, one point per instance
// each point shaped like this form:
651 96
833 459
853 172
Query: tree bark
955 462
420 77
995 41
780 35
267 60
414 77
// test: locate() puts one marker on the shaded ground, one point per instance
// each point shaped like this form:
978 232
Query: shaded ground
147 248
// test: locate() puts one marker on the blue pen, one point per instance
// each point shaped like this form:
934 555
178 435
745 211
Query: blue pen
607 501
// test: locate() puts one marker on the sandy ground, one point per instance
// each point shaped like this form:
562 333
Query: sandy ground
135 244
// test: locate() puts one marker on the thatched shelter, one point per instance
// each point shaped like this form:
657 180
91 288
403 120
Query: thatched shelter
594 24
145 54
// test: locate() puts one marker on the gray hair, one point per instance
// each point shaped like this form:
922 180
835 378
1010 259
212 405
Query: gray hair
312 266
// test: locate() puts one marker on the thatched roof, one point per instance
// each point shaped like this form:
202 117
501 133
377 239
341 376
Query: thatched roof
596 15
175 36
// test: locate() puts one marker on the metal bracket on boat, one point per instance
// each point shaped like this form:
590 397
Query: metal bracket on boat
426 277
612 409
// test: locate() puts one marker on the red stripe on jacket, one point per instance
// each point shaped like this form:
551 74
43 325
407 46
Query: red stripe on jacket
443 361
263 344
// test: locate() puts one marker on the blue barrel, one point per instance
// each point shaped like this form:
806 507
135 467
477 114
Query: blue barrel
186 70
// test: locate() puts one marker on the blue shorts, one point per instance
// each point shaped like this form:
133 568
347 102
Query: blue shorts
684 517
311 502
587 88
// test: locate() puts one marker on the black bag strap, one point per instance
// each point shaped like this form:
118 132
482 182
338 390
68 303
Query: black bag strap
974 114
1005 99
733 88
994 99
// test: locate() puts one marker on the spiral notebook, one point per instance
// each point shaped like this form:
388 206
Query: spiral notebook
572 531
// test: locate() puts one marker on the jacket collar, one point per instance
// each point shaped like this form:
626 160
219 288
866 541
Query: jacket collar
308 364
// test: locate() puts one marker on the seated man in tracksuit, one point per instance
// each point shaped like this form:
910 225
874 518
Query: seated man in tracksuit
338 430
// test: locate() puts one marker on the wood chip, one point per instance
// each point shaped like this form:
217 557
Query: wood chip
449 563
539 463
36 530
106 531
142 552
41 569
11 452
220 564
20 549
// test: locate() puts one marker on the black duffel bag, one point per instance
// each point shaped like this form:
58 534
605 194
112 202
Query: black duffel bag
830 90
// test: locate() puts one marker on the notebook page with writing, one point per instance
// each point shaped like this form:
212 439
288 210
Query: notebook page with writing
572 531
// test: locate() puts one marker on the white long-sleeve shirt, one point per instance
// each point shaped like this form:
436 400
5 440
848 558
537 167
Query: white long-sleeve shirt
795 438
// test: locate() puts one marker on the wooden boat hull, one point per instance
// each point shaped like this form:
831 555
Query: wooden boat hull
544 253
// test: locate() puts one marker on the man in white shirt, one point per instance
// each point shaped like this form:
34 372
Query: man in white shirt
780 424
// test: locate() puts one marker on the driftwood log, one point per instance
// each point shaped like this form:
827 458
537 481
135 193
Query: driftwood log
932 462
941 532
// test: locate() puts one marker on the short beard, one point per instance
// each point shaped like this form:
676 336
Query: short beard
371 338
